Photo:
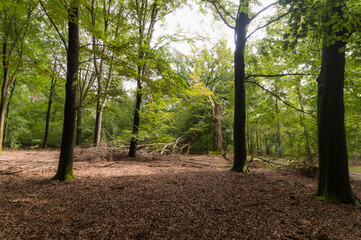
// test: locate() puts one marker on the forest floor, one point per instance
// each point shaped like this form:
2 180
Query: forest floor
163 197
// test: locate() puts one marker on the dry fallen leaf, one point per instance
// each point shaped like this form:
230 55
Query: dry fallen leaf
162 197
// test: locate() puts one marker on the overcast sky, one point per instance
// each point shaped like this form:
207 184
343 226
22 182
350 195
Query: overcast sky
192 22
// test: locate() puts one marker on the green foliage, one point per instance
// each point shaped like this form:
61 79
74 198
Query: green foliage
281 109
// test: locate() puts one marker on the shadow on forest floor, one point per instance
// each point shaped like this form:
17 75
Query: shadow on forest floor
188 197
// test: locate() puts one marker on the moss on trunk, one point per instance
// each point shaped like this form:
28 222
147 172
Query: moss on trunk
244 169
64 177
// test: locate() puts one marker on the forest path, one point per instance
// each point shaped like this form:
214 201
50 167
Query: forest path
355 175
162 197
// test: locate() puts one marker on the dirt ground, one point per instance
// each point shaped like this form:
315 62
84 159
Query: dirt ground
162 197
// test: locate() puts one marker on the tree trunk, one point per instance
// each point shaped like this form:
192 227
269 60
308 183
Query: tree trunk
250 140
97 128
50 102
217 127
98 124
65 168
239 132
333 180
307 138
136 121
258 146
4 92
99 69
278 128
8 113
145 35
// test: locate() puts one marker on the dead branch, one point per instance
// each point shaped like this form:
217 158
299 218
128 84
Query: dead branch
178 145
224 155
8 172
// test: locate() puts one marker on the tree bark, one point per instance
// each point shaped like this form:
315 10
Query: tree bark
8 113
333 180
136 121
50 102
65 168
239 132
4 91
98 124
278 128
217 127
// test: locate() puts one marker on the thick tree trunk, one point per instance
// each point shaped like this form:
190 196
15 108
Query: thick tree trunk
65 168
50 102
217 127
333 180
136 121
239 132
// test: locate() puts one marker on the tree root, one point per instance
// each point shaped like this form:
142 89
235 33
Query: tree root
241 170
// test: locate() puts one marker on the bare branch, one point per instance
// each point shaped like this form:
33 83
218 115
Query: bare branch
54 25
226 12
264 9
267 24
278 75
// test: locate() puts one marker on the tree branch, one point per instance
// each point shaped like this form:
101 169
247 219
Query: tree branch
214 3
275 95
267 24
226 12
54 25
278 75
264 9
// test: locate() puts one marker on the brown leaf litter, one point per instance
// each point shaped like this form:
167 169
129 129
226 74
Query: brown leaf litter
162 197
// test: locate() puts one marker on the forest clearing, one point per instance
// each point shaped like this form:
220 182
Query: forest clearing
249 133
163 197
